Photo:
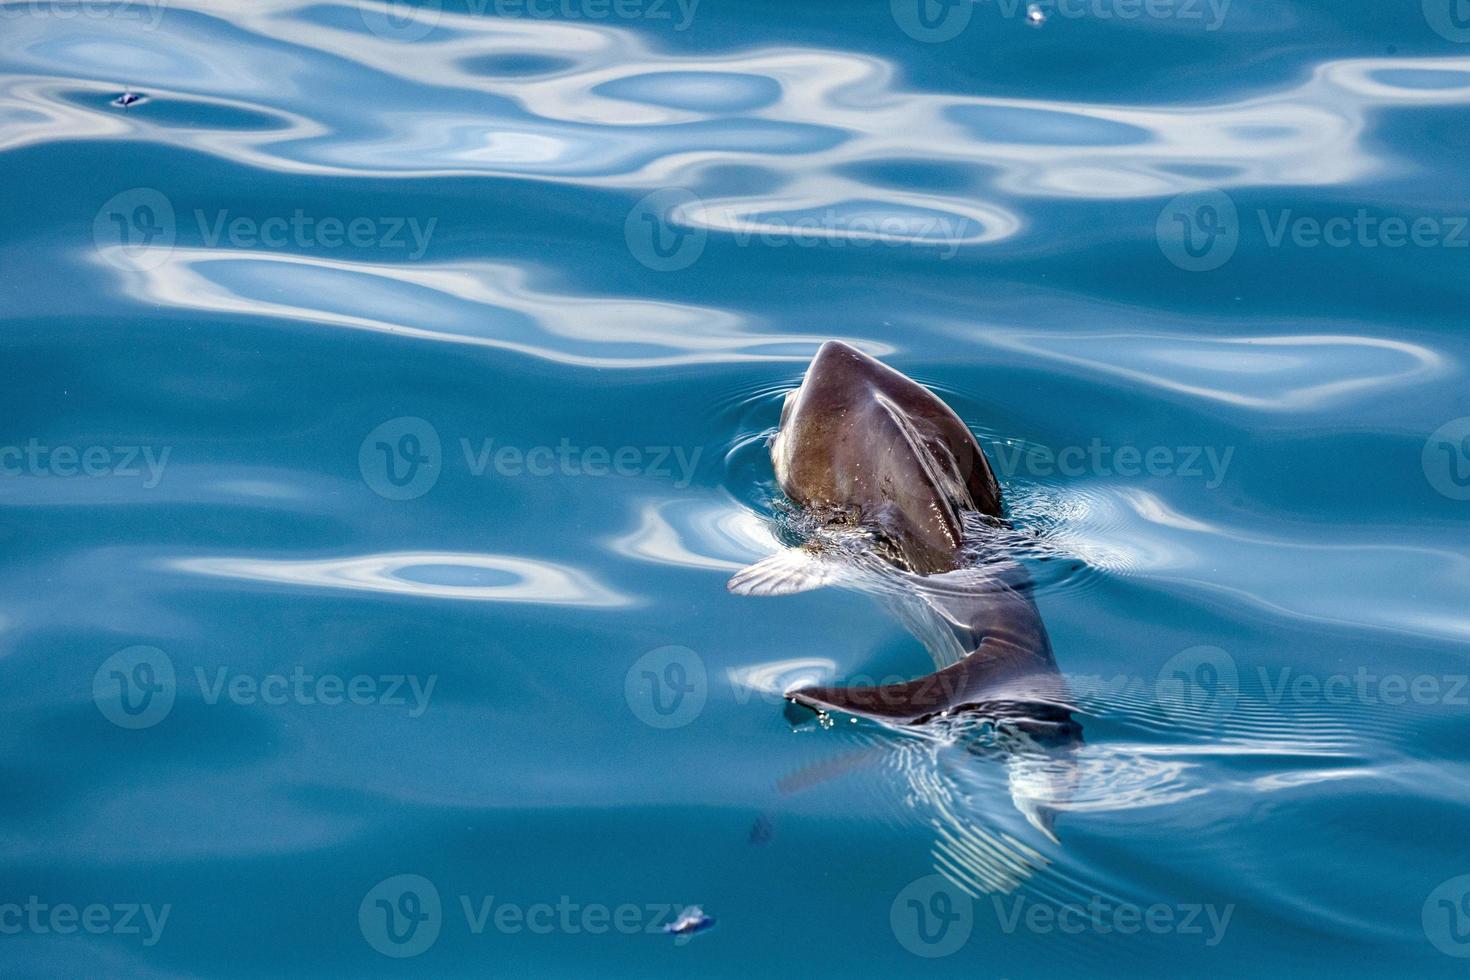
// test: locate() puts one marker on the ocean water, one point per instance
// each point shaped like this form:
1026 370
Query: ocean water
385 400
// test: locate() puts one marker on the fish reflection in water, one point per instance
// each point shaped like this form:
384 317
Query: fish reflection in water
948 769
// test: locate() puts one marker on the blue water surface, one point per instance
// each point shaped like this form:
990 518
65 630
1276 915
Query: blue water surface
384 410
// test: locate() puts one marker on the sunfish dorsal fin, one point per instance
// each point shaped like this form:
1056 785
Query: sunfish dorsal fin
787 572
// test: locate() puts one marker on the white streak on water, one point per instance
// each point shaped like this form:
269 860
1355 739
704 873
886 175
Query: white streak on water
479 303
527 579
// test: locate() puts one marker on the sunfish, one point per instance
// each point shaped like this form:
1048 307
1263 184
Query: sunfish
895 491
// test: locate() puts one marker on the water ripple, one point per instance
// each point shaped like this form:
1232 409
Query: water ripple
1290 373
613 112
431 574
487 304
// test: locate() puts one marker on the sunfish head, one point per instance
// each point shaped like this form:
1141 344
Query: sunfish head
860 441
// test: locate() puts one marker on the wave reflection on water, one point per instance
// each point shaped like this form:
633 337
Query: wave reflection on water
483 304
442 575
617 113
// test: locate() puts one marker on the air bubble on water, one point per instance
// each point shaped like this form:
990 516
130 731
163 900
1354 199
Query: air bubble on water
1034 15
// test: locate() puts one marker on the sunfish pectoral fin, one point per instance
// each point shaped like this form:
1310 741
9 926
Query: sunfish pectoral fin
786 572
